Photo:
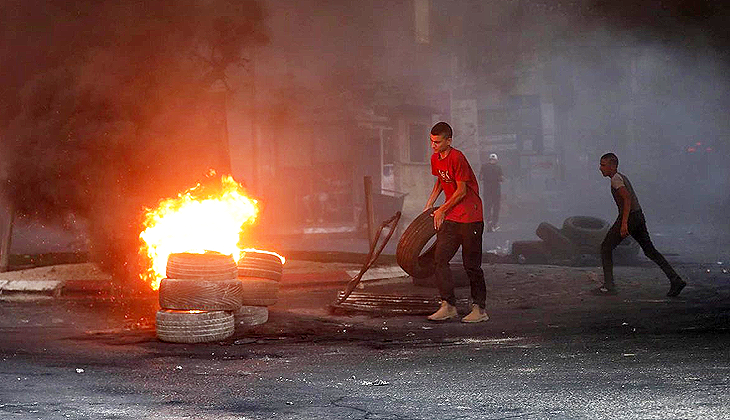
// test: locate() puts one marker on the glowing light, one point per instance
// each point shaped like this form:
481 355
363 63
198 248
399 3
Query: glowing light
195 221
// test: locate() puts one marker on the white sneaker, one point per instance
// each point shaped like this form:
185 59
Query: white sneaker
477 314
446 311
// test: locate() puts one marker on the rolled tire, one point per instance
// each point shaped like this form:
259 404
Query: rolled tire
247 316
188 294
586 232
532 252
259 291
409 253
210 266
555 241
193 327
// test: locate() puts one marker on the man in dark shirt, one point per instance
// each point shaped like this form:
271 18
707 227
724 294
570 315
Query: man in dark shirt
630 221
491 177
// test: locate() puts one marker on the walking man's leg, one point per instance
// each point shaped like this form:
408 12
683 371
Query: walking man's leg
471 251
612 239
638 230
447 243
496 199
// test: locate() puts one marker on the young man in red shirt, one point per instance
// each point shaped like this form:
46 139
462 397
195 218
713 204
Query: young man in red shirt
458 222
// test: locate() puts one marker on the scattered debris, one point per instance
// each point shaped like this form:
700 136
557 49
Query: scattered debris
377 382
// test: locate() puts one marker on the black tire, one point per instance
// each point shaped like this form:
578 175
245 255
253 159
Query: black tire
193 327
555 241
264 274
416 236
532 252
261 265
586 232
260 257
259 291
211 266
248 316
206 295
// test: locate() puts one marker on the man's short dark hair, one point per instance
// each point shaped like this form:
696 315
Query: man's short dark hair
611 158
442 129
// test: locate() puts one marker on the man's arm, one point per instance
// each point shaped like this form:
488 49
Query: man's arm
626 208
440 214
434 195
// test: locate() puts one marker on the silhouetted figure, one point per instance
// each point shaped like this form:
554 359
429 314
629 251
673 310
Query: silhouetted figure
630 221
491 176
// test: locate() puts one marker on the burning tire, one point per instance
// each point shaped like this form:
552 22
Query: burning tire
259 291
261 265
247 316
211 266
556 242
194 327
189 294
415 238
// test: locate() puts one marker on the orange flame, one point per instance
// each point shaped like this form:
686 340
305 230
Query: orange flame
195 221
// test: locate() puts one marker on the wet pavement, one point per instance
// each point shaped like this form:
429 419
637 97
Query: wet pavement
549 351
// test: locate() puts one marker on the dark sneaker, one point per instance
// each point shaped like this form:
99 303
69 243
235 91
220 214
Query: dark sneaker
604 290
676 287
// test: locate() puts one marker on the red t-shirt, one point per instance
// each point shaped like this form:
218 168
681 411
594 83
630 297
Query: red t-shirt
454 167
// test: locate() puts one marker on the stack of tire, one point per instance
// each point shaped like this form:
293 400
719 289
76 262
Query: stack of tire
580 235
260 276
204 298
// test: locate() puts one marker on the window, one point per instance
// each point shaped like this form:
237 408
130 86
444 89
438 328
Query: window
418 134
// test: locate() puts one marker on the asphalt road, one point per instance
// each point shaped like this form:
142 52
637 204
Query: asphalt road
550 351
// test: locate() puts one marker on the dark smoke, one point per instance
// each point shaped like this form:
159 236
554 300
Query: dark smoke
107 106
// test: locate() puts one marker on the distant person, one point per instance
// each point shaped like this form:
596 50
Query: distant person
630 221
491 176
458 222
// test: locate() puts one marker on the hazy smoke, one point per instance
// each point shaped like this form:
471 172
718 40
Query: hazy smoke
107 106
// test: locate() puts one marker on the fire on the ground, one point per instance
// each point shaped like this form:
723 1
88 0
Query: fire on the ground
198 220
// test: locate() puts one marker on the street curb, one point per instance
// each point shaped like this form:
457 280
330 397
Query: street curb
46 287
325 278
105 286
87 287
379 273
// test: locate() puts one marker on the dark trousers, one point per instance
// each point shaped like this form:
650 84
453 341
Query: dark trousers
491 206
449 237
637 229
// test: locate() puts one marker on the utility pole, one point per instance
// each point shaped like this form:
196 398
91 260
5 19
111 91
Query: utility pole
369 208
7 216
